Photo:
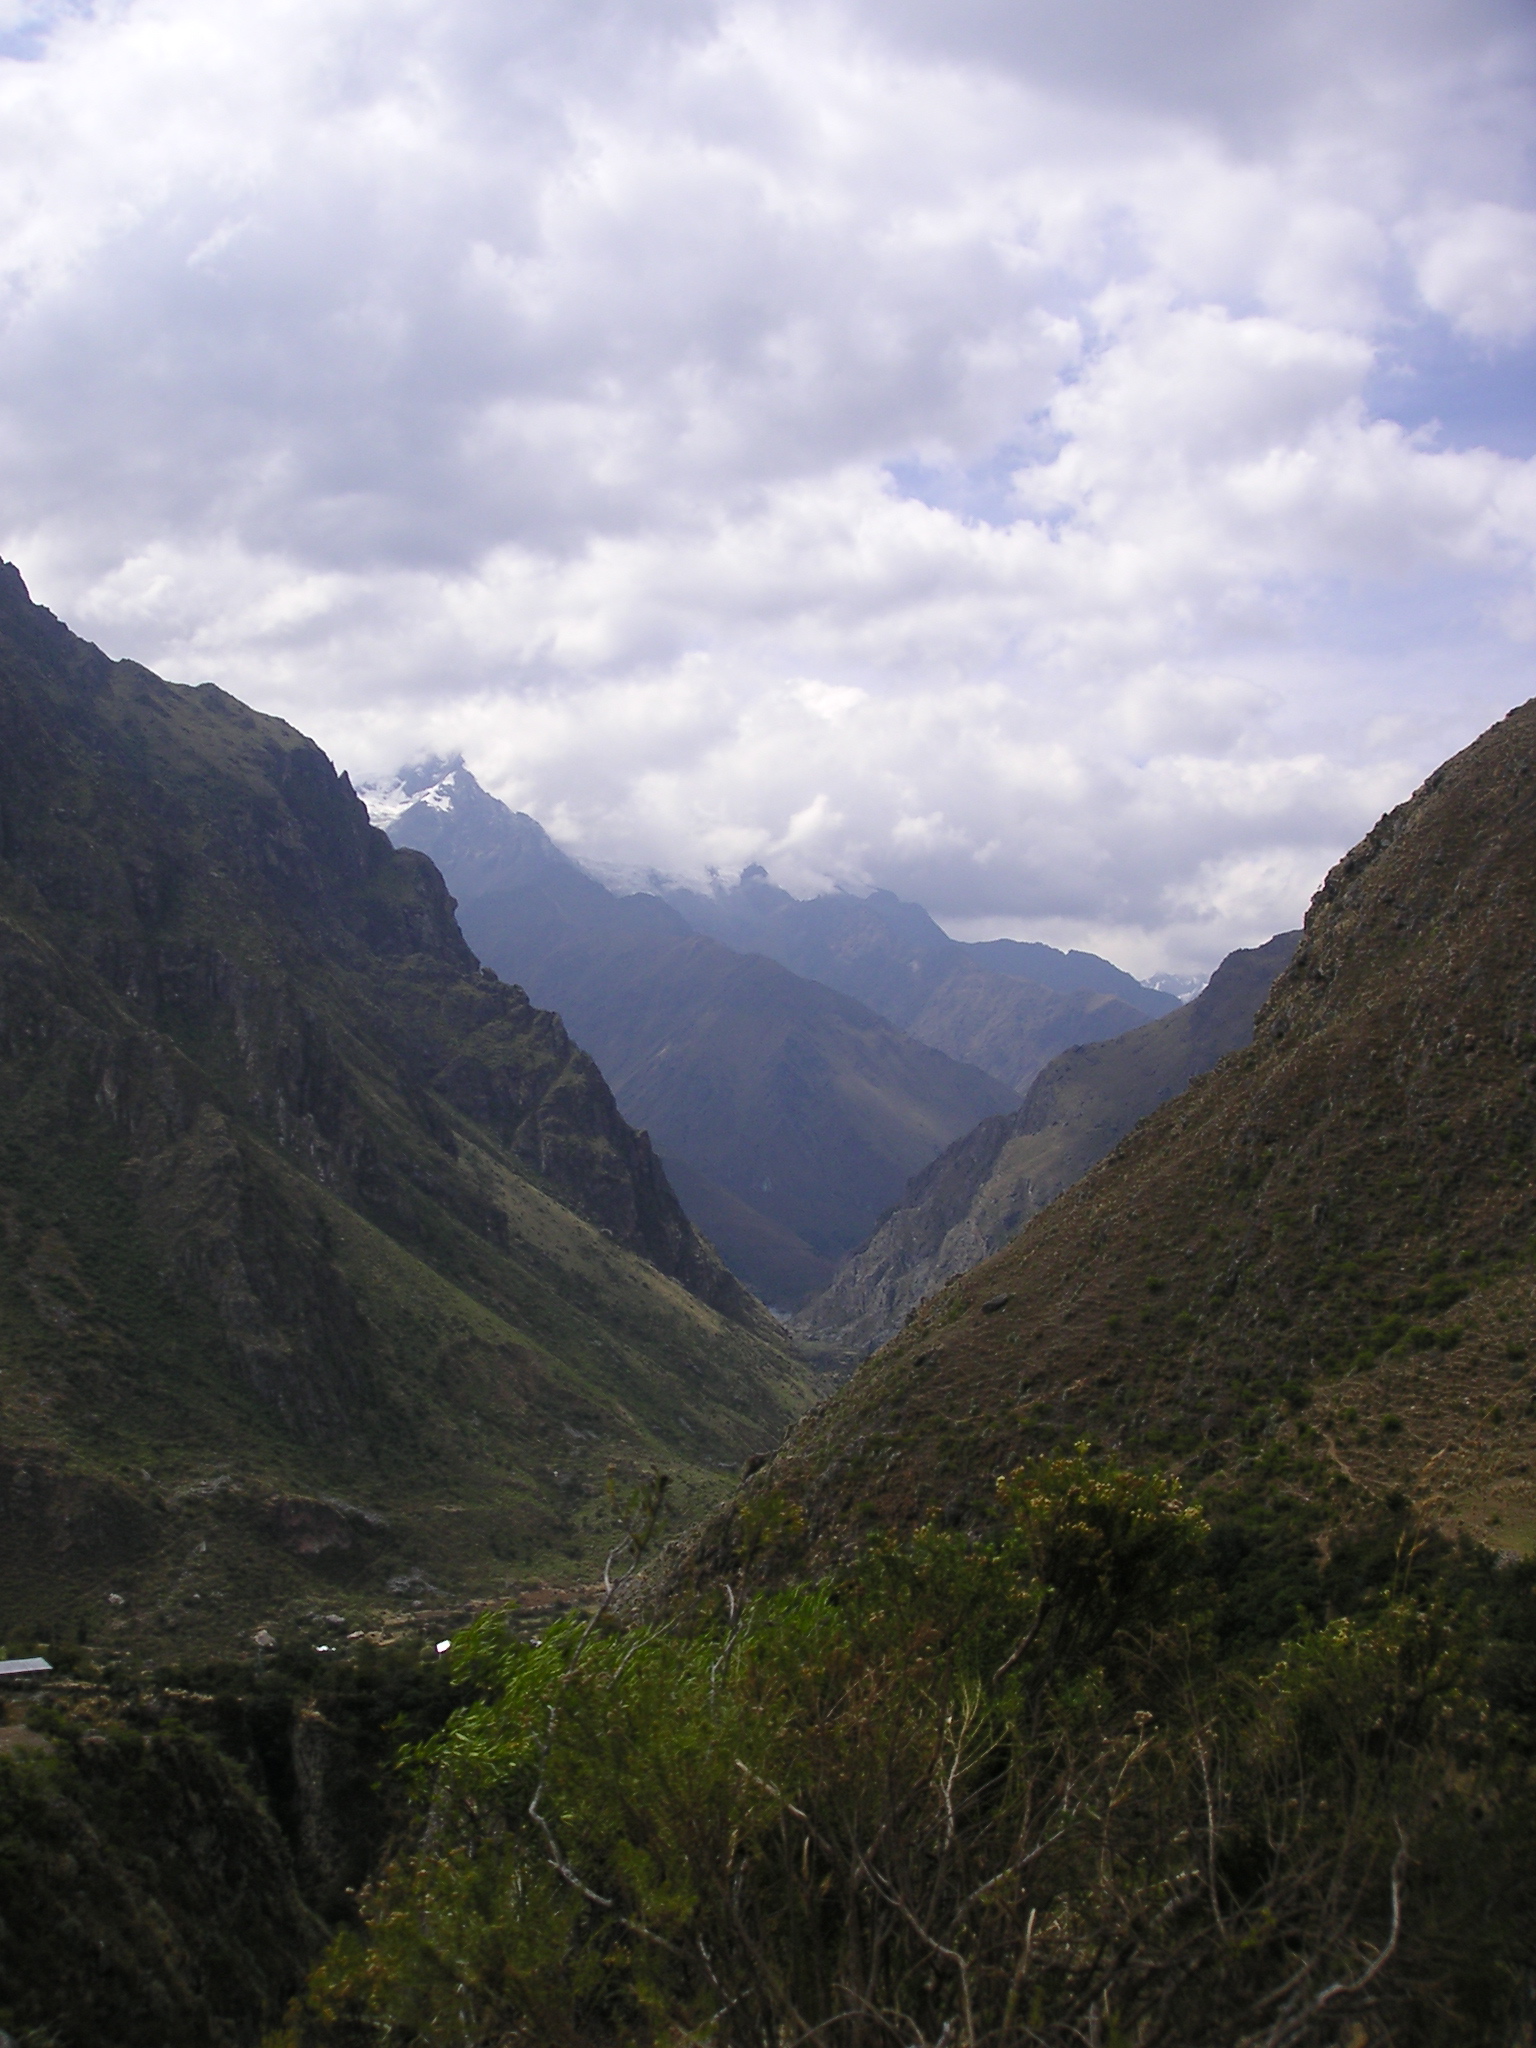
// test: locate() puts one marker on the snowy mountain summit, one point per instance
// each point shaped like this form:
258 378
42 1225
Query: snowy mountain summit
482 846
432 783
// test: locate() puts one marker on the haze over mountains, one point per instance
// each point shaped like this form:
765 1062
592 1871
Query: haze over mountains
794 1062
324 1251
1075 466
333 1274
1005 1005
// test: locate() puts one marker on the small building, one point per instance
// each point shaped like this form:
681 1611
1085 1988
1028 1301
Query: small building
12 1668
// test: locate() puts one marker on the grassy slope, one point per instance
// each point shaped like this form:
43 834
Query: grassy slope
148 1899
1307 1279
284 1200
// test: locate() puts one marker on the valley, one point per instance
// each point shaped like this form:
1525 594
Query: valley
986 1186
1306 1278
795 1062
471 1619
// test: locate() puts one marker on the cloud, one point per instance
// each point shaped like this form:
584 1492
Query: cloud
950 447
1477 265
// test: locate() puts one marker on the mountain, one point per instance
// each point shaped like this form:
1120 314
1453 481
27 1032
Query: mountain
1304 1282
1028 960
789 1115
965 1722
486 847
1002 1005
326 1260
979 1193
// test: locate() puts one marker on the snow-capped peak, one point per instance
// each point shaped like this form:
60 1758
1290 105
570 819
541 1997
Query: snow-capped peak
431 783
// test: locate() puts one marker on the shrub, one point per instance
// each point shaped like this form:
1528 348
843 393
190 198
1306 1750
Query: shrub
985 1794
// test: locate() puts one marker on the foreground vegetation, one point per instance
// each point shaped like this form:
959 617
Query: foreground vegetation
1065 1786
174 1852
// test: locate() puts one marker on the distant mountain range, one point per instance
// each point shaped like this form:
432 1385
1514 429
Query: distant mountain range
984 1189
1004 1005
794 1062
324 1256
788 1115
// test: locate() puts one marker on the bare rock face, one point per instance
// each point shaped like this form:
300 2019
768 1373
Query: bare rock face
319 1528
288 1185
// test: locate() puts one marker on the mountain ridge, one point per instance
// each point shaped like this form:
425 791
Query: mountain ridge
1004 1005
980 1192
794 1113
653 984
1309 1280
285 1188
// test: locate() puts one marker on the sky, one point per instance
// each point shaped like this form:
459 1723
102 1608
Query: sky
1070 461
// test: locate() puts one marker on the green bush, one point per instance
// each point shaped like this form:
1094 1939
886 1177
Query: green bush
978 1794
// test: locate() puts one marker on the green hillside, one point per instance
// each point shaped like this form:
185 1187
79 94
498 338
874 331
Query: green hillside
327 1260
1138 1651
1141 1649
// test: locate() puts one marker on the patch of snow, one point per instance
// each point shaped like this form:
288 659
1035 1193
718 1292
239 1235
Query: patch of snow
1185 986
622 878
387 801
440 796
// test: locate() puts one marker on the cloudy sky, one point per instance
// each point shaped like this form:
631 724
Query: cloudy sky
1072 461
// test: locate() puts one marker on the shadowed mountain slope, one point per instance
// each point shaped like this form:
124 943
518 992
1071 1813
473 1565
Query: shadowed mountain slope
1002 1005
1307 1278
296 1202
989 1183
792 1114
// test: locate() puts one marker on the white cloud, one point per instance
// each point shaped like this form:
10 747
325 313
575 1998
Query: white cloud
926 445
1477 265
